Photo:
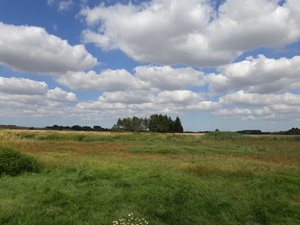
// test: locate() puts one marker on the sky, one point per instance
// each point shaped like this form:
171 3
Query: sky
217 64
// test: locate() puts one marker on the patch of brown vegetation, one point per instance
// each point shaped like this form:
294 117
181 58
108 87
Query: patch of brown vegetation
69 147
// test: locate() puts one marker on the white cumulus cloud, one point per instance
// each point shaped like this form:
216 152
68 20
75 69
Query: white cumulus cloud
258 75
53 98
145 77
254 99
128 97
191 32
168 78
31 49
107 80
181 97
22 86
59 95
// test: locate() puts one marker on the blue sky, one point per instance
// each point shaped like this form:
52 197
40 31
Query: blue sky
227 65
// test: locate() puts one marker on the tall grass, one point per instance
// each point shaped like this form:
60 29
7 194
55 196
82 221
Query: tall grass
165 178
13 162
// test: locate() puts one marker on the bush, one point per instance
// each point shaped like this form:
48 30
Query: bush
14 163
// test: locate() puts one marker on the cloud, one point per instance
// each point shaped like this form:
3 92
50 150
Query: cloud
173 32
55 96
20 93
167 78
147 102
204 106
274 106
128 97
59 95
98 105
65 5
107 80
251 118
31 49
245 113
261 75
101 41
250 24
180 97
242 98
22 86
272 113
283 112
145 77
49 2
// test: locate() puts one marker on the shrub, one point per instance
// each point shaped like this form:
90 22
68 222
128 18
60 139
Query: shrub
13 162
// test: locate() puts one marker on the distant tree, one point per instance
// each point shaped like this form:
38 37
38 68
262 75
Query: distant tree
86 128
163 123
217 130
76 127
131 124
249 132
55 127
99 128
177 126
293 131
156 123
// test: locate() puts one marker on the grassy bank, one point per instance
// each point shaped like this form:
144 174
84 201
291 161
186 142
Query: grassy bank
97 178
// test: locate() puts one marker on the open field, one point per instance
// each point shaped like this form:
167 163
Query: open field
97 178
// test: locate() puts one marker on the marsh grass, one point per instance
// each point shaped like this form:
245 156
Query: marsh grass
95 178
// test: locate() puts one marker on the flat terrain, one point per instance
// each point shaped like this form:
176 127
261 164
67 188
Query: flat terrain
98 178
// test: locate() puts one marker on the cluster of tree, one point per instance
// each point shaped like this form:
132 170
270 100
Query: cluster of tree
252 132
156 123
78 128
293 131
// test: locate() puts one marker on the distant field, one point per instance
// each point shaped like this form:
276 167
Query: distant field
99 177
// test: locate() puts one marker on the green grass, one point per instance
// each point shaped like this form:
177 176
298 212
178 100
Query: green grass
92 178
13 162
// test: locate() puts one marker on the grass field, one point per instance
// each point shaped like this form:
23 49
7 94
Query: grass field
97 178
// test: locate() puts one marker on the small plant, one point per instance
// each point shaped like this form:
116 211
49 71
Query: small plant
53 210
131 221
14 163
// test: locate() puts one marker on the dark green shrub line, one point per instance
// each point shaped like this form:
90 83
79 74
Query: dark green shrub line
14 163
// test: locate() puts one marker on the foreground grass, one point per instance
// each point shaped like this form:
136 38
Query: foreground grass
92 178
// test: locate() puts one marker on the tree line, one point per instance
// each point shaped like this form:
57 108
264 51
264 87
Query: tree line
293 131
78 128
155 123
251 132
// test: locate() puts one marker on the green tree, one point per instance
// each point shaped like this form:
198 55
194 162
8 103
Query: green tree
156 123
177 126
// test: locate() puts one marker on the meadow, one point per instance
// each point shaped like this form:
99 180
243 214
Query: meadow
96 178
